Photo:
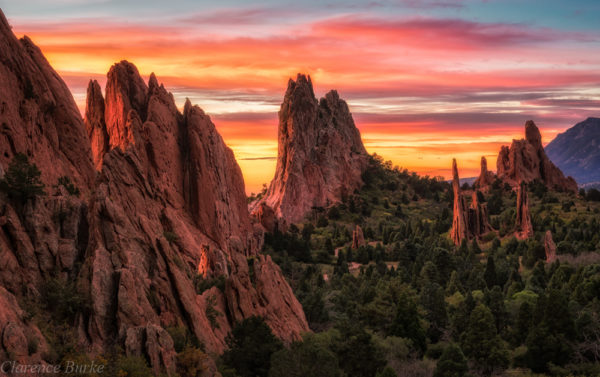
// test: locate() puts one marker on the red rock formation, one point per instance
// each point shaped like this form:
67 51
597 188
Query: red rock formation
524 226
467 222
526 161
38 115
94 123
478 217
549 247
320 156
168 202
486 178
459 218
358 238
266 217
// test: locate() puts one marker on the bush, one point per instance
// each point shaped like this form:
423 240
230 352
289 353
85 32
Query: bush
171 237
22 179
191 362
68 185
64 300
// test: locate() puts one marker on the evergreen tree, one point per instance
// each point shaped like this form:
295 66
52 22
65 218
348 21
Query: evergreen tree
251 344
482 343
490 273
452 363
311 357
22 179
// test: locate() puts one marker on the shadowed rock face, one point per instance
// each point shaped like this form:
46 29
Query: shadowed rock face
167 204
468 222
320 155
526 161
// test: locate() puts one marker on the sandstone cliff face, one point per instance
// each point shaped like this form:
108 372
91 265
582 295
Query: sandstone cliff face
486 178
38 116
167 207
526 161
524 226
471 221
320 155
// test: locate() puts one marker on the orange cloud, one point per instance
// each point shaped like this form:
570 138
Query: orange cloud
422 90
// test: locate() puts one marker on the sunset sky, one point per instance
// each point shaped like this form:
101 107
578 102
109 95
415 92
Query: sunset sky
425 80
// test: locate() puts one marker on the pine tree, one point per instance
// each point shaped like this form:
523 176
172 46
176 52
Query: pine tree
482 343
490 273
452 363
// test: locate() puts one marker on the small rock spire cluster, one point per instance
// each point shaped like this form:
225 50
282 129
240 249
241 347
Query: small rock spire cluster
468 222
526 161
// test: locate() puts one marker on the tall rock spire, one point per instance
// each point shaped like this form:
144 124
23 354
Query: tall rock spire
524 225
320 153
486 177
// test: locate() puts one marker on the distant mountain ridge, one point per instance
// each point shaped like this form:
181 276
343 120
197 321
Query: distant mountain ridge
577 151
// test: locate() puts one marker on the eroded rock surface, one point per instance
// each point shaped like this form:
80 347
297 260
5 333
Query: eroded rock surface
166 208
526 161
320 155
468 221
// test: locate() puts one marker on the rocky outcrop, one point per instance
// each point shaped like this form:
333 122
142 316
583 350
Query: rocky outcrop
170 204
526 161
166 210
320 155
468 221
524 226
358 238
549 247
266 217
486 178
94 123
38 116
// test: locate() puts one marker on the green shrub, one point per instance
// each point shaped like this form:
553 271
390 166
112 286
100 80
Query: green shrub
64 300
22 179
68 185
171 237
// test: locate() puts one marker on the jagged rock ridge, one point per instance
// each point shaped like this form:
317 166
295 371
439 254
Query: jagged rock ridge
526 161
168 203
320 154
38 116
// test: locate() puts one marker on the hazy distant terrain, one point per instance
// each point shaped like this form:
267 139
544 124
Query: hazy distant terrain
577 151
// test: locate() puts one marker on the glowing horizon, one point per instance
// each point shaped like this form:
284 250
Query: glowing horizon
426 81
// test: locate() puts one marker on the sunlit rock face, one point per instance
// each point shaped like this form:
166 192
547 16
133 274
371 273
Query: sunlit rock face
162 205
321 156
526 161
